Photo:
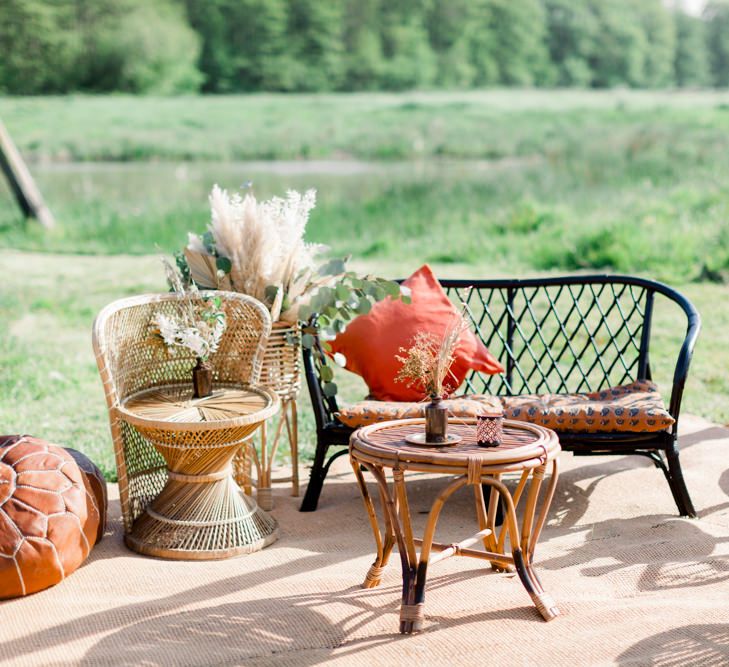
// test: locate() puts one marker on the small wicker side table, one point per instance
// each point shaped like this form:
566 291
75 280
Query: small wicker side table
281 372
526 449
201 513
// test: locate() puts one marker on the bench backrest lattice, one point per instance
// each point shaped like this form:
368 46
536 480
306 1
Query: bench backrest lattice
563 338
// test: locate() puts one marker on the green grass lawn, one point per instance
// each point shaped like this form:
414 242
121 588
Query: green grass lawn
479 184
50 386
371 126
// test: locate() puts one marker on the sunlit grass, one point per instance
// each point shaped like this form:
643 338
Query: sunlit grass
49 385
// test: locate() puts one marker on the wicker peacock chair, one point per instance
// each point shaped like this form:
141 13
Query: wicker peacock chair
132 361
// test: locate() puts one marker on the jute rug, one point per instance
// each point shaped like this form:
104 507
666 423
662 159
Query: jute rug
636 585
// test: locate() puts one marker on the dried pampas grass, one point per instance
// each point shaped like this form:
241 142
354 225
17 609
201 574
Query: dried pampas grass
264 248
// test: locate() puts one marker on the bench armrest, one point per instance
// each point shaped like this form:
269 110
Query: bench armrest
683 363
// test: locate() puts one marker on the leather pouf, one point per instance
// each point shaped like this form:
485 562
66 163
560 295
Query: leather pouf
95 485
49 515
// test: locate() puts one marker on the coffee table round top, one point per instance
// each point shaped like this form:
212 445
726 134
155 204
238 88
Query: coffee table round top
523 445
173 407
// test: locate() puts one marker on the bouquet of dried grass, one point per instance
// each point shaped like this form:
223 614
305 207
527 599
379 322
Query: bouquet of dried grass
258 248
427 362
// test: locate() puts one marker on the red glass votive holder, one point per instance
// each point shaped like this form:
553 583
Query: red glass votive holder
489 429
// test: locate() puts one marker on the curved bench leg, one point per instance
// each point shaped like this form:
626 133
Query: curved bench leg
316 481
319 471
677 482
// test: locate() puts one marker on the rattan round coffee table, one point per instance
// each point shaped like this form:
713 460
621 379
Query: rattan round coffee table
526 450
201 513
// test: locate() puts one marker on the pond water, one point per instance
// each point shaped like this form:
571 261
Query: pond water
440 210
138 182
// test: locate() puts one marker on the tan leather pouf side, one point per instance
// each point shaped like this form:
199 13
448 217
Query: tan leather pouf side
95 487
49 515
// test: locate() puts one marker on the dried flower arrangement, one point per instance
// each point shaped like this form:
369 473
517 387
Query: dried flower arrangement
198 327
200 335
258 248
427 362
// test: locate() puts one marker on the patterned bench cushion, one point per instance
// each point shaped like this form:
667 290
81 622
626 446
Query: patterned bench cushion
635 407
367 412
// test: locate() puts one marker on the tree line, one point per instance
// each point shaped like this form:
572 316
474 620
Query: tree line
221 46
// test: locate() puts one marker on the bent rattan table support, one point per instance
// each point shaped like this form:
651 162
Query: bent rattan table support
201 513
526 450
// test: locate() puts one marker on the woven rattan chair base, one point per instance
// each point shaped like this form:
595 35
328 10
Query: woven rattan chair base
200 513
240 528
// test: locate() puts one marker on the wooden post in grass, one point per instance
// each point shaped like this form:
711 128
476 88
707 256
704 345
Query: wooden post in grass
21 182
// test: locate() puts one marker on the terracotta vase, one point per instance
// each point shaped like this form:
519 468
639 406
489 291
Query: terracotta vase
202 379
436 420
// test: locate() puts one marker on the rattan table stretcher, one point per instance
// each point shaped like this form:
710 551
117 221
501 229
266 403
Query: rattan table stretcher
526 450
201 513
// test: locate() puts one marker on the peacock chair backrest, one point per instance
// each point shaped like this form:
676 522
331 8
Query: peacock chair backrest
131 358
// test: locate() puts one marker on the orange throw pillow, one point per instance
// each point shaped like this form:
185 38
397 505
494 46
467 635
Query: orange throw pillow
371 341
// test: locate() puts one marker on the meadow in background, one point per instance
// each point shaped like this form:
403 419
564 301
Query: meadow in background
480 184
486 137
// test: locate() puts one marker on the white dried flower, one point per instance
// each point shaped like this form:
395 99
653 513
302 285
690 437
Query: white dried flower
217 335
167 328
193 340
198 327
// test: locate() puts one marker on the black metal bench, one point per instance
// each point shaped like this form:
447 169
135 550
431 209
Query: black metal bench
553 335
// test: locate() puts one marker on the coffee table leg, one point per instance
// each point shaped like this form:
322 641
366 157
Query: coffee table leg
384 545
413 580
411 612
522 542
530 534
487 520
399 531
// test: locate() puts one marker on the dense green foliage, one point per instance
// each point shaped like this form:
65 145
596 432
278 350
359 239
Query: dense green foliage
63 45
171 46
